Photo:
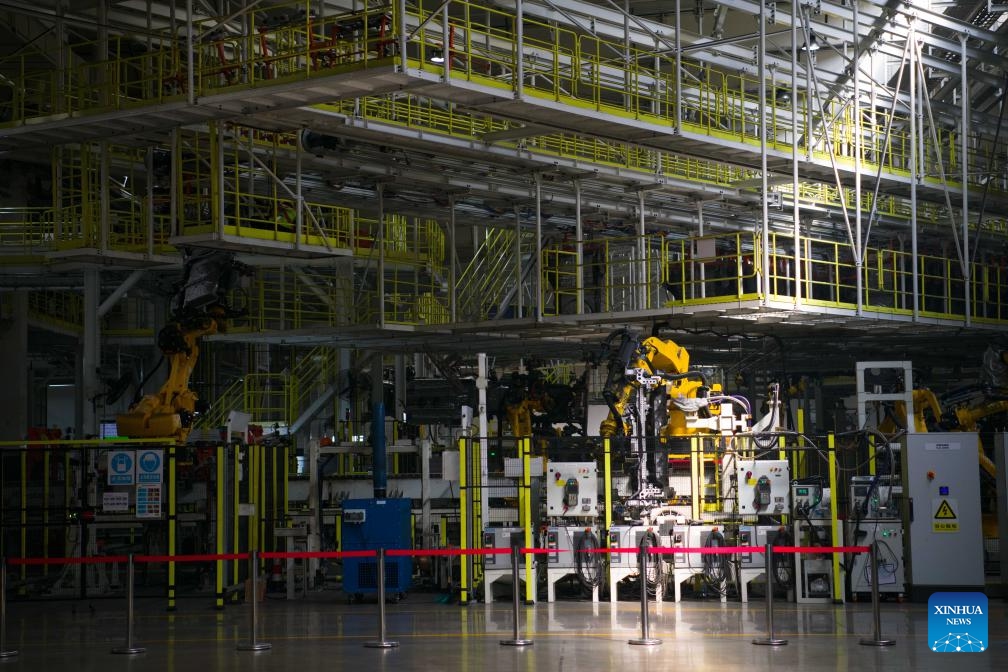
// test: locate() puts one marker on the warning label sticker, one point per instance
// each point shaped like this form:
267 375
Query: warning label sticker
944 519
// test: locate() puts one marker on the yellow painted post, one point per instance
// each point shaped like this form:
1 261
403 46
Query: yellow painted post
834 496
801 464
607 484
696 478
463 525
526 445
235 502
172 522
871 450
219 528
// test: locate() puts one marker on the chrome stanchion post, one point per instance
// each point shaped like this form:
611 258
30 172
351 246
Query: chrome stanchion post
876 615
4 651
770 640
516 588
129 648
381 643
645 639
252 644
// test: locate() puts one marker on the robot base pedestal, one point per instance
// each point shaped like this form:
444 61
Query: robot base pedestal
492 576
554 575
680 574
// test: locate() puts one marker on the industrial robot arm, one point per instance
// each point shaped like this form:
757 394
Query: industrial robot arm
201 307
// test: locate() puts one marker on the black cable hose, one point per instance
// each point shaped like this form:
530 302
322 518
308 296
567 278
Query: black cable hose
783 563
588 563
715 565
656 573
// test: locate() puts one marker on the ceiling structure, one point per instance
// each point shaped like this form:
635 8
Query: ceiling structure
491 180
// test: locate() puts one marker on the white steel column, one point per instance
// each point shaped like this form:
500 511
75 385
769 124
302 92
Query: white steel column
795 205
519 294
764 184
964 130
911 54
105 207
859 253
482 380
519 84
678 68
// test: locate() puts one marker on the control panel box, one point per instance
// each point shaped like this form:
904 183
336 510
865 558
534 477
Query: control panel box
627 536
811 500
875 498
755 535
761 487
572 490
889 537
564 541
501 537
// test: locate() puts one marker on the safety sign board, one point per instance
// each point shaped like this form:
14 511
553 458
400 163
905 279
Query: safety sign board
116 501
121 465
148 501
150 466
944 519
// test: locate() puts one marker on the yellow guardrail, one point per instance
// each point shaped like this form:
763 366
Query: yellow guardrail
561 62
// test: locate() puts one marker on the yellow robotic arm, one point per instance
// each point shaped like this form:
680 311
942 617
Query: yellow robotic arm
201 308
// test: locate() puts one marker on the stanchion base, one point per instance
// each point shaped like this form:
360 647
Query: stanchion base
128 649
650 641
877 642
381 645
255 646
769 642
516 642
9 654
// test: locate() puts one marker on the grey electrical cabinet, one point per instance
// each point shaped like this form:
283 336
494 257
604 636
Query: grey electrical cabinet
941 480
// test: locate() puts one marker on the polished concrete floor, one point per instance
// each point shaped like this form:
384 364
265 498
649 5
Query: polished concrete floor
323 632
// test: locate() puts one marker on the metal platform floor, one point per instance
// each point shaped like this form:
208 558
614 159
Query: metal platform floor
323 632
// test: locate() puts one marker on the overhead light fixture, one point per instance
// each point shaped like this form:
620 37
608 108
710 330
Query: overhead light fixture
437 56
812 44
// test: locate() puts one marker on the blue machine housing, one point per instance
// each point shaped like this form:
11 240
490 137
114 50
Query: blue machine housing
370 524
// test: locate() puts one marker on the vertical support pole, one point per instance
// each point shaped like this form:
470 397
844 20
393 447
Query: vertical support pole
859 255
538 265
645 639
607 482
764 183
964 131
4 651
379 241
236 507
526 455
915 278
172 524
678 68
795 204
876 639
465 560
129 648
642 284
46 489
696 478
838 591
401 11
149 200
23 514
381 642
190 58
579 249
452 257
519 294
519 49
516 640
219 492
769 640
252 596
